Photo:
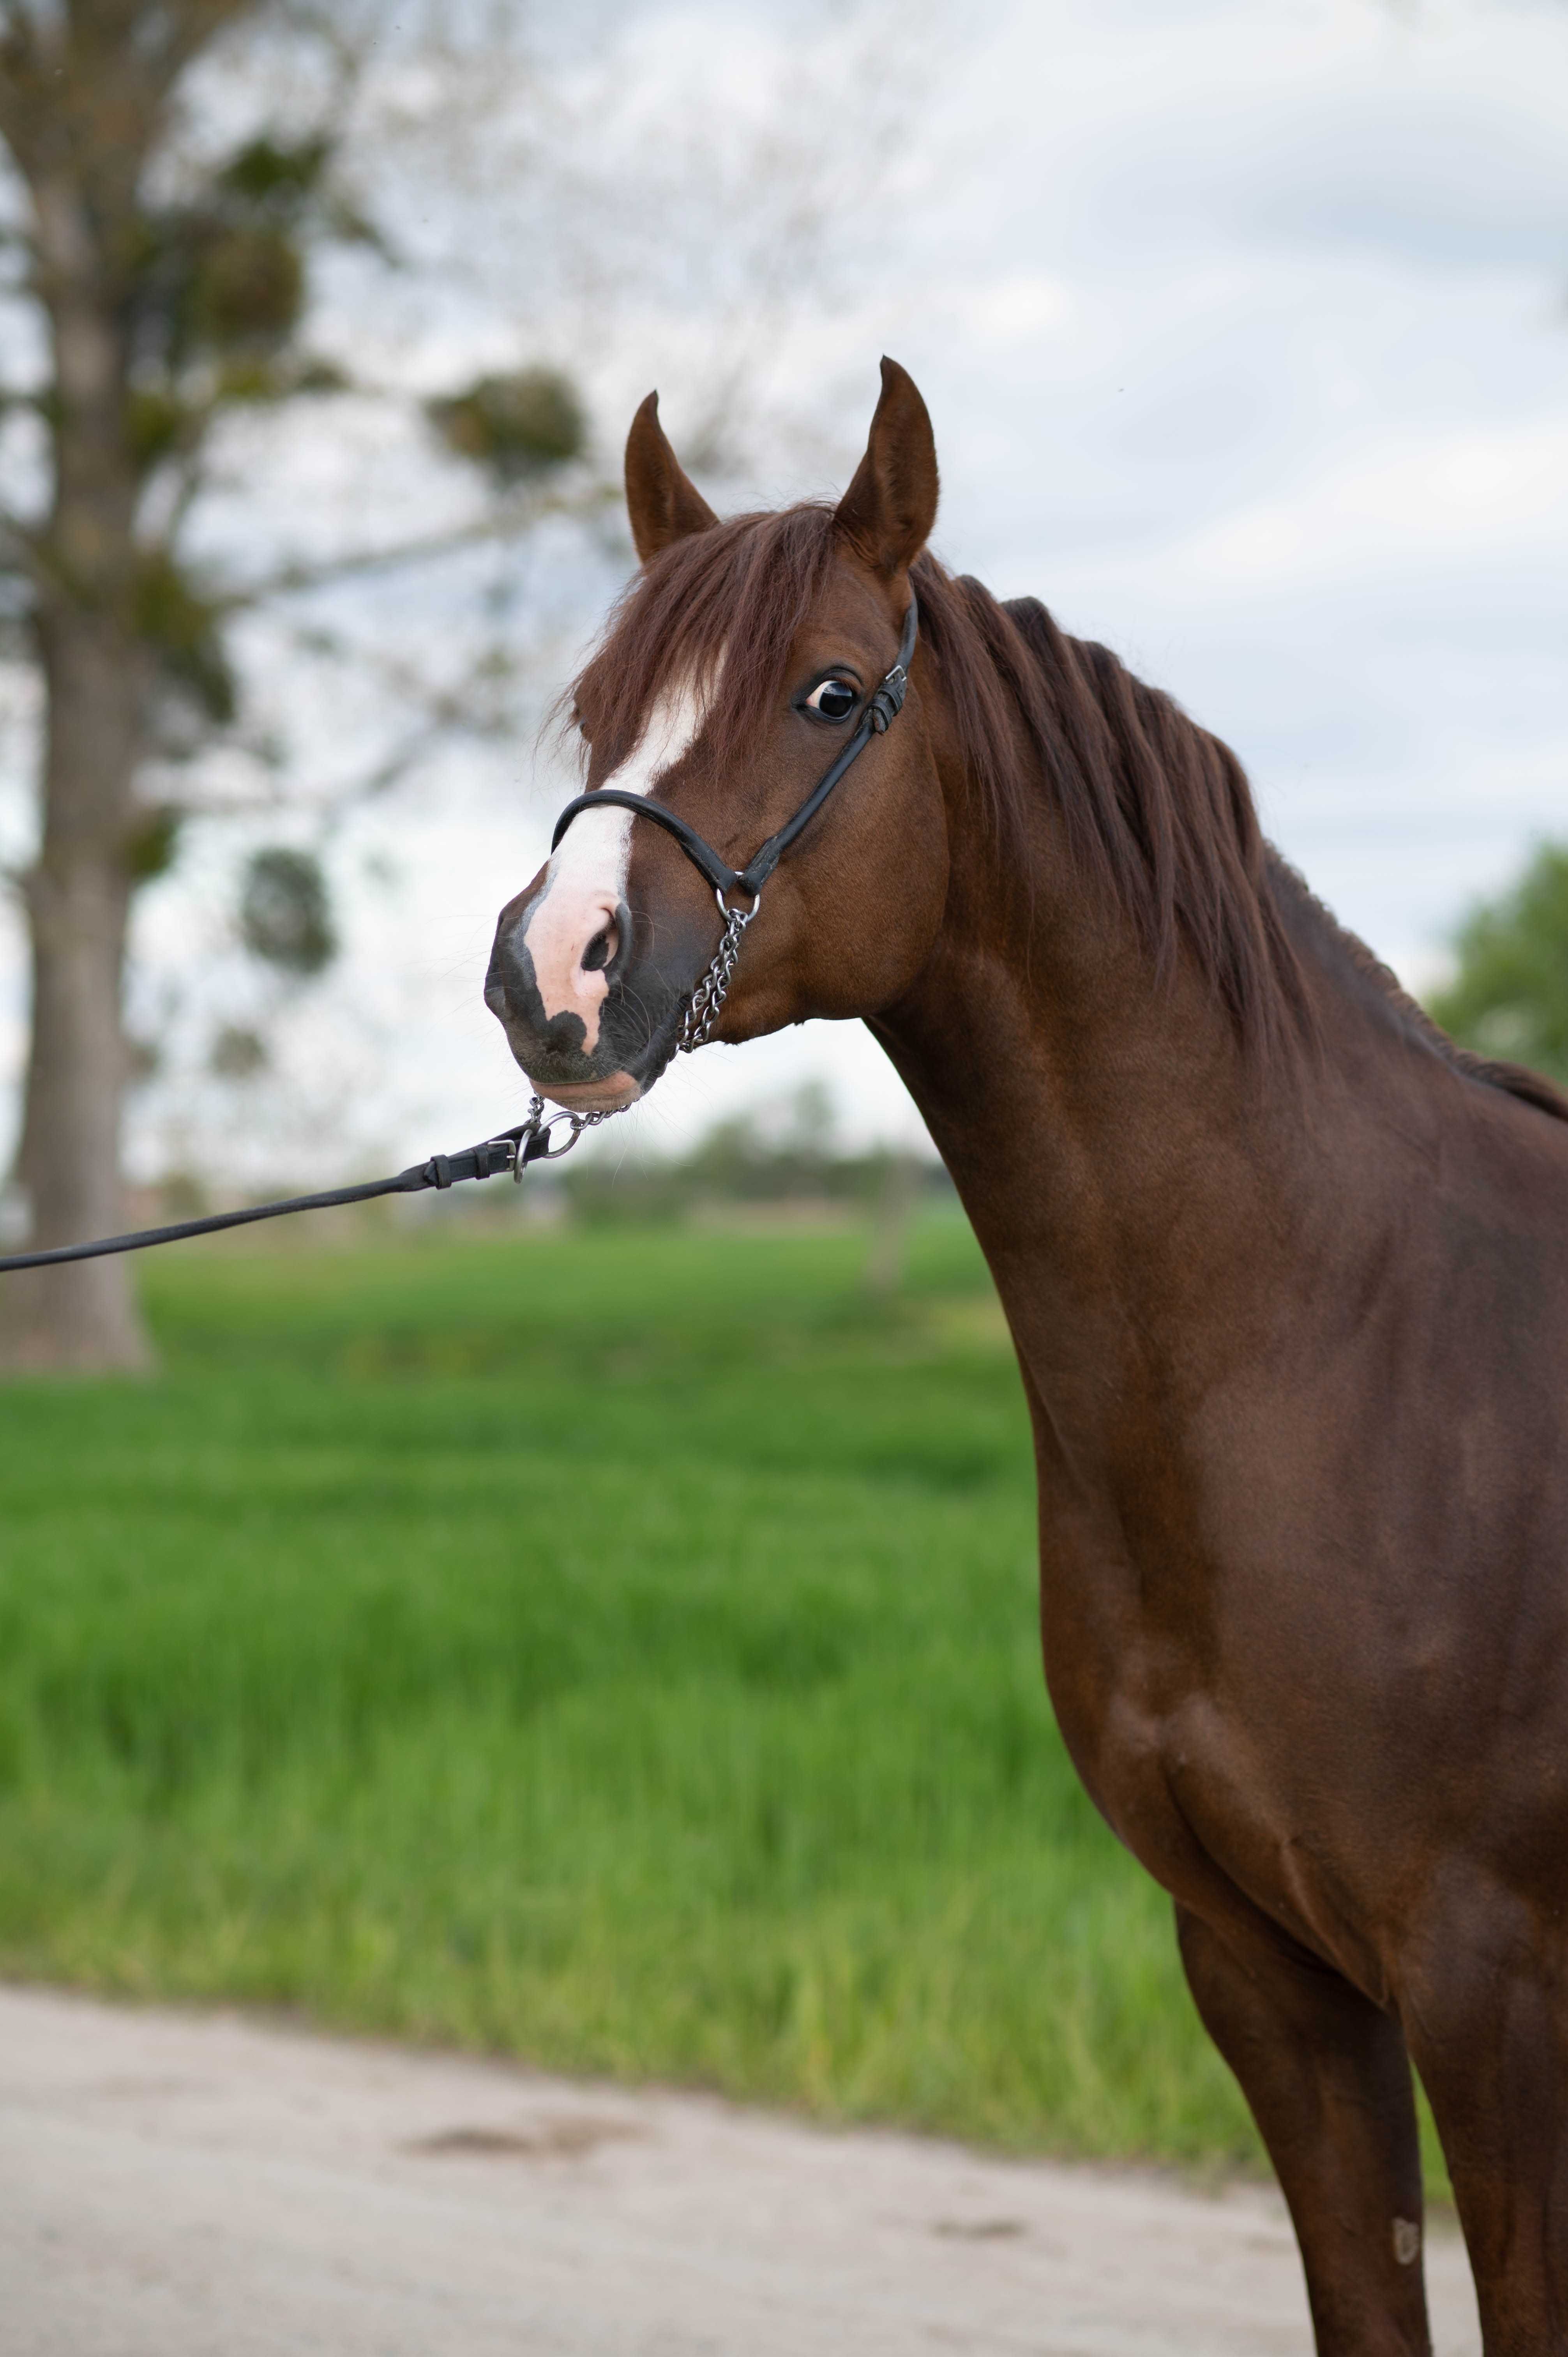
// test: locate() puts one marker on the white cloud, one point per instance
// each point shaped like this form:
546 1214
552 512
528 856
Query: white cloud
1447 500
1004 313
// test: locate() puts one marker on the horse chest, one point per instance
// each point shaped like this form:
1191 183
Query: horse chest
1201 1773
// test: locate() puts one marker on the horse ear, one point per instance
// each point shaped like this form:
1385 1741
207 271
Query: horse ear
891 505
662 501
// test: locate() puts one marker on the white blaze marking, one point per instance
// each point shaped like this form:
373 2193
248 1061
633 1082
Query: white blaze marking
585 883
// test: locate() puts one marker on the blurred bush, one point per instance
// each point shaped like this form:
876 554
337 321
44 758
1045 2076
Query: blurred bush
776 1157
286 912
514 425
1509 994
238 1053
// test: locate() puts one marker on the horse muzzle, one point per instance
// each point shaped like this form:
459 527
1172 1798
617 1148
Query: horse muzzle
589 1033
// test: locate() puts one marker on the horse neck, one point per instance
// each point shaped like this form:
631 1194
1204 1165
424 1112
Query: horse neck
1146 1195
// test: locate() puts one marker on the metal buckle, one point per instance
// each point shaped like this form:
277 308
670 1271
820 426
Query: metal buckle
888 701
534 1144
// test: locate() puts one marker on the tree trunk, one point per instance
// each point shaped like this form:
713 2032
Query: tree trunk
82 1317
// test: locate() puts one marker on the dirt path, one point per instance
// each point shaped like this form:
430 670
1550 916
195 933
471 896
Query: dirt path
176 2185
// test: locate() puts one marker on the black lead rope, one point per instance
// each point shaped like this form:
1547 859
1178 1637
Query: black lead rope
508 1153
511 1150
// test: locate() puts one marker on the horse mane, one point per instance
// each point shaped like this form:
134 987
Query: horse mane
1157 811
1366 970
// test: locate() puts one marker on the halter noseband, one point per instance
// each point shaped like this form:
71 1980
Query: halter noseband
702 1008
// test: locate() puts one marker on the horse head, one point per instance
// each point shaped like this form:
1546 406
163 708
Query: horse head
744 656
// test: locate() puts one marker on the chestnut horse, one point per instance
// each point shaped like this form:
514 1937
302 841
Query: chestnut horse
1287 1276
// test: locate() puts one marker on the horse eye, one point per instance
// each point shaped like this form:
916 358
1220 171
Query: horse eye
832 699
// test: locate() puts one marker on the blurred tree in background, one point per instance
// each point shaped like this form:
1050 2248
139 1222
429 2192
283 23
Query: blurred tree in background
187 176
170 286
1509 994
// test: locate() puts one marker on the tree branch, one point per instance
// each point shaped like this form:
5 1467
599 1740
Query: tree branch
505 524
18 70
17 536
18 29
332 804
192 27
383 775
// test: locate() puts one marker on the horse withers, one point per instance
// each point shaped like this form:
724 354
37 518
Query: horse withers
1288 1274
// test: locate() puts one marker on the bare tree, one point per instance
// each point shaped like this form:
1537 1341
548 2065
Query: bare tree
164 313
83 97
168 268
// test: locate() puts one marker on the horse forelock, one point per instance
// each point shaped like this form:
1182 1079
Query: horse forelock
713 617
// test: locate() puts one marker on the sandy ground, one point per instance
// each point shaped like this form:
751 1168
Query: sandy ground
181 2185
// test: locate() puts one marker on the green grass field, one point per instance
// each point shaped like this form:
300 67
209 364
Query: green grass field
617 1650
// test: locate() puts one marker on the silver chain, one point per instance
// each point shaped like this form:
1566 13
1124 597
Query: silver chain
706 1002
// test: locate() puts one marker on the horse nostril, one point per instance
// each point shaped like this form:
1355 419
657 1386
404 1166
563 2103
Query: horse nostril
601 949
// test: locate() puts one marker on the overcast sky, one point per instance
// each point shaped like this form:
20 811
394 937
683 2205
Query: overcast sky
1245 329
1266 383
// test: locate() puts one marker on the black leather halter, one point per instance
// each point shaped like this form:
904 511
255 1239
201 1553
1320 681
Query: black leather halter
878 716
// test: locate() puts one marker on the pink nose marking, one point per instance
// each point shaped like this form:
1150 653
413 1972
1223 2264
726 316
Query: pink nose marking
586 883
570 915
